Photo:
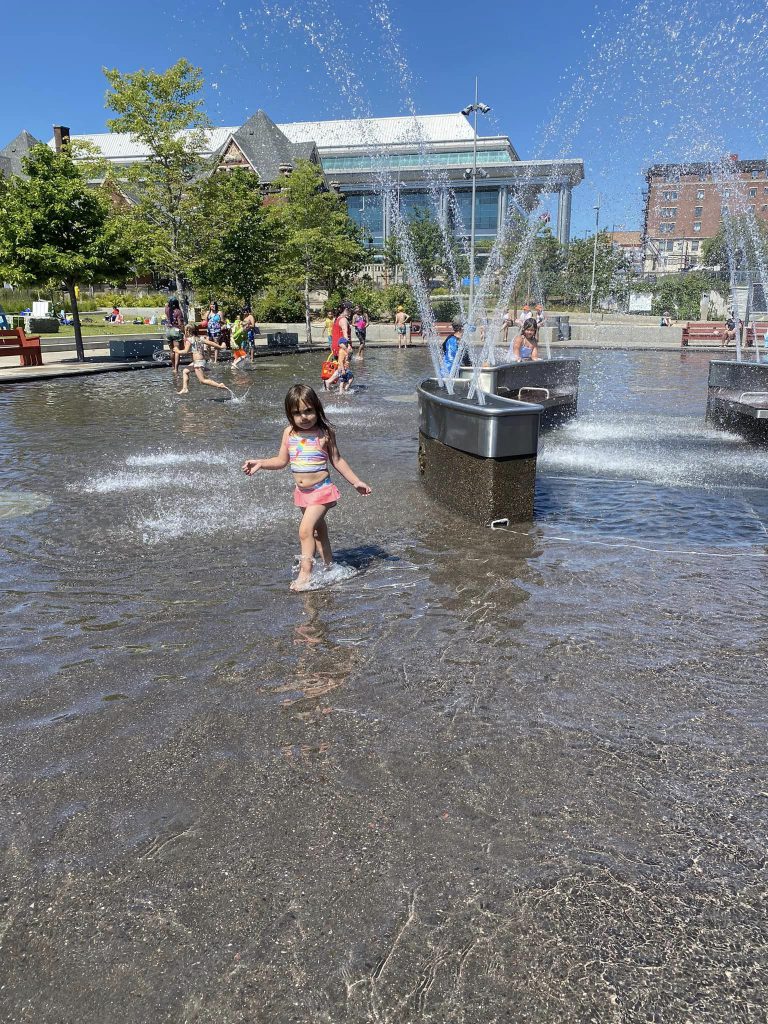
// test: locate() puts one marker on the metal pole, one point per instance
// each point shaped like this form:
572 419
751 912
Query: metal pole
472 228
594 256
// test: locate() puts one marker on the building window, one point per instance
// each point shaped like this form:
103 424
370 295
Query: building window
667 229
751 207
668 212
672 176
726 193
697 211
765 190
416 204
700 193
670 197
752 193
486 210
755 174
697 226
694 246
703 176
365 210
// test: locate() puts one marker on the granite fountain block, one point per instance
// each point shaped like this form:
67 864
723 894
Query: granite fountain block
737 397
478 459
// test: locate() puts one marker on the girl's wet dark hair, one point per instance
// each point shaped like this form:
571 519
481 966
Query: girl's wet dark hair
303 393
530 322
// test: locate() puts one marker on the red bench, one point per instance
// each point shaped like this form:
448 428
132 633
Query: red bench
706 331
702 331
760 329
14 342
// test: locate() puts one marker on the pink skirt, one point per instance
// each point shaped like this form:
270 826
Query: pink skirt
326 495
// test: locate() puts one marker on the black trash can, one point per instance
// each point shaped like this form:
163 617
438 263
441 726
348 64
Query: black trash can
282 339
127 349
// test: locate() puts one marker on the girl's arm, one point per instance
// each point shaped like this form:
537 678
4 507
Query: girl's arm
279 461
343 467
516 348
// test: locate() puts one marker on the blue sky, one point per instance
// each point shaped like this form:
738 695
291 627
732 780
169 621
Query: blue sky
618 85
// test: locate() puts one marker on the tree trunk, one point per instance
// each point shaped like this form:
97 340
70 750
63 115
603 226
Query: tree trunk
182 301
76 321
306 310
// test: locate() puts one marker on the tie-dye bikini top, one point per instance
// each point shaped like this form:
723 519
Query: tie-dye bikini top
308 453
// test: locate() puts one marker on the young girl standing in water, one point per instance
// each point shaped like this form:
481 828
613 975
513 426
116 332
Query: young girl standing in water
309 445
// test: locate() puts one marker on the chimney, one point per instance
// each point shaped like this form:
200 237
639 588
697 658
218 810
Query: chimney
285 170
60 137
734 157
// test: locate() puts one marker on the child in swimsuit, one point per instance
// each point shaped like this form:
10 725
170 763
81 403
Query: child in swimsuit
525 345
308 444
196 344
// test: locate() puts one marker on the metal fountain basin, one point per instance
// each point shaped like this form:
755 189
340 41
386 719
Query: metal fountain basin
502 428
559 378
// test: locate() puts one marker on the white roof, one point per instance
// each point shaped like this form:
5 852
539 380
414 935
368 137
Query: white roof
121 146
388 131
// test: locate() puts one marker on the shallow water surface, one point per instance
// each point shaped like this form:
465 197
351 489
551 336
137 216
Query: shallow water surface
485 775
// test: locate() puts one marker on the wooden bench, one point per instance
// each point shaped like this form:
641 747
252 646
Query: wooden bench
759 328
706 331
698 330
14 342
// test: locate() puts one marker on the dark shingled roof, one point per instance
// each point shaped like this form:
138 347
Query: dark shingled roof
11 156
265 147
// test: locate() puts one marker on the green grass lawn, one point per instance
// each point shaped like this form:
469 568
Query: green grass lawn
103 330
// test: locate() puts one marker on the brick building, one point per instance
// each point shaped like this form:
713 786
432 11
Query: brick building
683 207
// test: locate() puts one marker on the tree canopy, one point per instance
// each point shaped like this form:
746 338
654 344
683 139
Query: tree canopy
232 238
163 112
55 227
318 242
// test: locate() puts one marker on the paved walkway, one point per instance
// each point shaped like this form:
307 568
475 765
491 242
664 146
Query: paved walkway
97 360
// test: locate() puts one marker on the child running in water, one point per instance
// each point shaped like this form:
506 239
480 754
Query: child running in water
196 344
309 445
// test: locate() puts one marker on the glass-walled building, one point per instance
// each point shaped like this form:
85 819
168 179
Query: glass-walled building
426 163
423 163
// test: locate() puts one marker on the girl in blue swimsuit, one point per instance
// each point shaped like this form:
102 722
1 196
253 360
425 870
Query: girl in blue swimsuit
525 345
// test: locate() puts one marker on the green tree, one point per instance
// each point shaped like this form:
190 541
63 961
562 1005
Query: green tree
541 259
319 242
162 111
749 247
427 243
231 237
611 269
681 293
54 227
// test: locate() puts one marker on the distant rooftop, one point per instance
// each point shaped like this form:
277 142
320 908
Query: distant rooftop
387 131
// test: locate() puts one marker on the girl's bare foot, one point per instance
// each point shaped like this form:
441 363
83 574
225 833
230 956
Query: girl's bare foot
302 580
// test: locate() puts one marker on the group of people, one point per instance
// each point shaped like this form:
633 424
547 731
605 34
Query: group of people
206 340
339 324
524 346
528 312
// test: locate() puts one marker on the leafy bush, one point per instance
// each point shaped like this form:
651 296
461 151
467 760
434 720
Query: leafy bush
280 304
681 294
398 295
368 298
445 309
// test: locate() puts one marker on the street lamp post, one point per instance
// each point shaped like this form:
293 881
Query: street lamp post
473 108
594 256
